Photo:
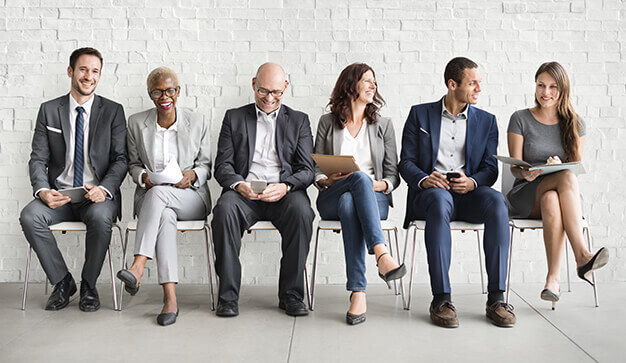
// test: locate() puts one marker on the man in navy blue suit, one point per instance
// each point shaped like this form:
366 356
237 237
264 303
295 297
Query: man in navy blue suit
447 161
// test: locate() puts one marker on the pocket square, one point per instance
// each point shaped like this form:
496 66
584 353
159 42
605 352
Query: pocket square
424 131
58 131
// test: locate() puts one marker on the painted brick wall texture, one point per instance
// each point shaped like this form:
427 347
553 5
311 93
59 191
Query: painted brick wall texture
216 46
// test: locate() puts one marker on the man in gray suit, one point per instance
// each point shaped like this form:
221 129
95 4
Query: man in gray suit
270 142
79 141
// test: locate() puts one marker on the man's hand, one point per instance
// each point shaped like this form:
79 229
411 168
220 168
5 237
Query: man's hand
380 185
95 193
189 177
436 180
274 192
462 184
53 198
146 181
245 189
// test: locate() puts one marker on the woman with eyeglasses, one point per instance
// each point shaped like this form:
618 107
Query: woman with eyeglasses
551 133
175 138
359 200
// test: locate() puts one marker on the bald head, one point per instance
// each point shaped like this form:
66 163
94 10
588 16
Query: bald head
268 86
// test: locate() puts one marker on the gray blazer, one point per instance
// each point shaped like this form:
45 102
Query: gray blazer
235 148
107 144
194 149
382 143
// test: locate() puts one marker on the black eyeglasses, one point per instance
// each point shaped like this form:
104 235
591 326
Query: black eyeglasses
276 93
157 93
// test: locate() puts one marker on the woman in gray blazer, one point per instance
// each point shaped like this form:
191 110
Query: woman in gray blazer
176 138
361 199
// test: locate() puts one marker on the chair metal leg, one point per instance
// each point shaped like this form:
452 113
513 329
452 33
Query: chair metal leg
508 271
27 273
317 239
395 232
407 306
593 274
480 262
306 285
208 265
112 278
124 266
569 284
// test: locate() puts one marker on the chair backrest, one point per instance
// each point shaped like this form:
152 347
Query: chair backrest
507 179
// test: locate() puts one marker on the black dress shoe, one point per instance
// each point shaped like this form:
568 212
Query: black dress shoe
165 319
293 306
89 300
61 294
227 309
600 259
129 280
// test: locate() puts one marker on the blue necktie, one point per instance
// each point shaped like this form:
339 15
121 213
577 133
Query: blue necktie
78 148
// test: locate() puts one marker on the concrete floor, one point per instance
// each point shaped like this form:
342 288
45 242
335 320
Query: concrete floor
575 332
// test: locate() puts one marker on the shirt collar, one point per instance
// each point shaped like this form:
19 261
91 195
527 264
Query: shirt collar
445 111
174 127
270 116
86 106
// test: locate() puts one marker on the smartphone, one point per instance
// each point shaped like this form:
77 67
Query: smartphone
452 175
258 186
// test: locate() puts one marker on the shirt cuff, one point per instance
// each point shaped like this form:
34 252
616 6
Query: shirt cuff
140 179
39 190
419 184
110 196
475 184
233 186
389 186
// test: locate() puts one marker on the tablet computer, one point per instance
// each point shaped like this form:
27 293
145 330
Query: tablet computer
330 164
77 194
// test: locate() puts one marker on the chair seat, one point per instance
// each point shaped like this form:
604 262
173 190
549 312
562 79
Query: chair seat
68 226
386 225
534 223
197 225
454 225
262 226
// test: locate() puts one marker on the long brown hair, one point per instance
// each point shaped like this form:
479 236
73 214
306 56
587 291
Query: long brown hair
569 121
345 92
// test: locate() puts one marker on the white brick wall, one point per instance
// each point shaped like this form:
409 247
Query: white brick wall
216 45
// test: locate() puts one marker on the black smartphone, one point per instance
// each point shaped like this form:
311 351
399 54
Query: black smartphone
452 175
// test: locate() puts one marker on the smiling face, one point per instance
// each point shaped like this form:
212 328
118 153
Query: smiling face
163 102
267 85
468 90
366 88
85 75
546 91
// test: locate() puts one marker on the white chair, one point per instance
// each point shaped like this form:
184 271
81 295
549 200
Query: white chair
261 226
65 227
335 226
181 226
537 224
454 226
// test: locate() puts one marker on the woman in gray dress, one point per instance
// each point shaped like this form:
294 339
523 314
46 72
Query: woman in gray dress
551 133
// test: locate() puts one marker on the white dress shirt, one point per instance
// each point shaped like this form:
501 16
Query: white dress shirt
265 162
165 148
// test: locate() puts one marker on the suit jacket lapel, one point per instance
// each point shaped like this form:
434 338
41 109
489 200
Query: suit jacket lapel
64 116
182 136
375 133
251 131
93 119
281 125
336 138
469 136
147 135
434 118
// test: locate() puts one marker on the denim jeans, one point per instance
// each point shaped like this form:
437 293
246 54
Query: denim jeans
354 203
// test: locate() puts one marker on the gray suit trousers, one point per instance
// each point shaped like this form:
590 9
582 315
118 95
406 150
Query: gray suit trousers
159 210
37 216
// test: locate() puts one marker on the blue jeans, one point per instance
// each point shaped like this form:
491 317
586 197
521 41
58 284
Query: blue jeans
354 203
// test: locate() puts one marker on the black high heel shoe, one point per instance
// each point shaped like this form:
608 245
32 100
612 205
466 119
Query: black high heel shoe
600 259
354 319
395 274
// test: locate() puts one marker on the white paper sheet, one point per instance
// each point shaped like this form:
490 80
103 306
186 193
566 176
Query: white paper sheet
170 175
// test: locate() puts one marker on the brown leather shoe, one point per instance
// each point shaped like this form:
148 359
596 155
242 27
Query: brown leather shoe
501 314
444 315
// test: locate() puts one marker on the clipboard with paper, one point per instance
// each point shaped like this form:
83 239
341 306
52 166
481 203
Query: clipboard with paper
330 164
575 167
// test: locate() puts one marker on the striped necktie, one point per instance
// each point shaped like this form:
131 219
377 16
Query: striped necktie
78 148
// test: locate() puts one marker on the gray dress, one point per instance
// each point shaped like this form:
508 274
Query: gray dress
540 142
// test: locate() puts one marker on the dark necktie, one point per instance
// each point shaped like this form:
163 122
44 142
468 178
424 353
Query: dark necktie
78 148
